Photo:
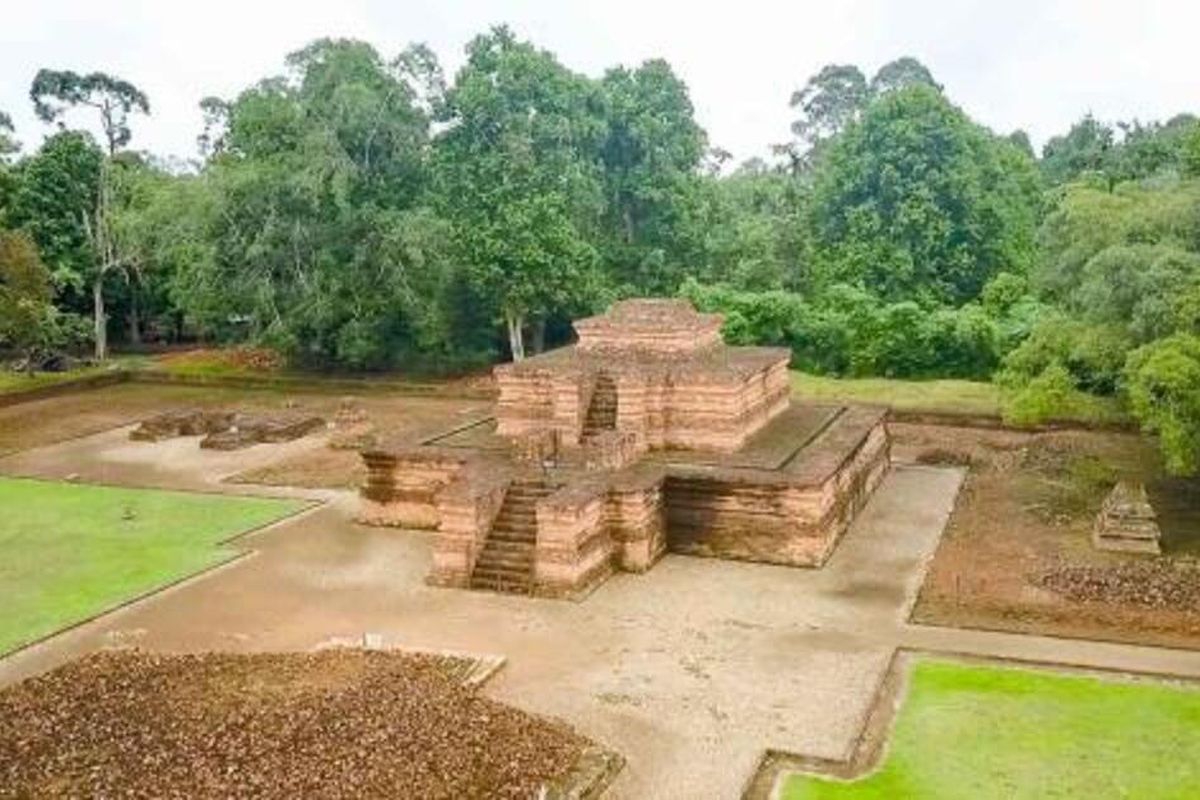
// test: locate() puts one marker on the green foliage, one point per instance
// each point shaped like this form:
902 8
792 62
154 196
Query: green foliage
1093 355
915 201
1163 382
756 237
1092 151
1087 220
849 332
308 229
54 92
649 158
29 321
1044 397
56 192
517 178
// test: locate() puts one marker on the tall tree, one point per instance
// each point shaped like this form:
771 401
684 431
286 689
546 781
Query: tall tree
518 176
55 193
53 93
899 74
8 145
651 156
311 232
917 201
1087 147
837 96
828 102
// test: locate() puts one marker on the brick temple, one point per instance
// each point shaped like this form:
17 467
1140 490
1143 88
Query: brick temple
649 434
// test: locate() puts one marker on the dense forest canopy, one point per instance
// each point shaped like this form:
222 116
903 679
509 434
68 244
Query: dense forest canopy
364 210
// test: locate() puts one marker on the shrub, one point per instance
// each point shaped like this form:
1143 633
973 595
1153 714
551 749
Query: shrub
1047 396
1163 382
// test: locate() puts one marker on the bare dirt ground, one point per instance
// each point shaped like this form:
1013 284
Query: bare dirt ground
395 419
335 723
1017 553
689 671
58 419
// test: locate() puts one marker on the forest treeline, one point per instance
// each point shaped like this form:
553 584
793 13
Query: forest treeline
363 211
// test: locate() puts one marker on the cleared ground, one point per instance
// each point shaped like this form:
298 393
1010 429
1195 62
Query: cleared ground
999 733
1017 554
689 671
73 551
332 724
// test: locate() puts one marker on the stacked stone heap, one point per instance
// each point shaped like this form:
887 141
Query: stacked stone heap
1127 522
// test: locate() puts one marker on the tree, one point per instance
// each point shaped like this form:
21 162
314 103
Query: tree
29 322
915 201
518 177
828 102
650 155
1087 147
900 74
1163 382
308 227
8 145
53 93
837 96
55 193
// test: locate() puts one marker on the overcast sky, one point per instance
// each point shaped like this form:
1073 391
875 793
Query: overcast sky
1012 64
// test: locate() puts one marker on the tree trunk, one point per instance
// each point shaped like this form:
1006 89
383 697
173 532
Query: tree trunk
516 340
538 336
100 320
135 322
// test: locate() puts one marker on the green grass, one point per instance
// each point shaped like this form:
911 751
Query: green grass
949 397
939 396
70 551
11 381
991 733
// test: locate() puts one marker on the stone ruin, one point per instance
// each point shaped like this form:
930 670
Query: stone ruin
648 435
226 430
352 427
1127 522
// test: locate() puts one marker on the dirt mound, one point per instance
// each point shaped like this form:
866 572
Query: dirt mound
335 723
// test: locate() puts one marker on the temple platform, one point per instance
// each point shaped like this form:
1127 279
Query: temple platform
649 435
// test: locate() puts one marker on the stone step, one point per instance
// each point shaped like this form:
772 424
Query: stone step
500 578
506 546
513 538
510 522
518 563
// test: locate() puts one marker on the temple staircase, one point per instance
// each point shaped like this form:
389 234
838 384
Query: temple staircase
506 562
602 411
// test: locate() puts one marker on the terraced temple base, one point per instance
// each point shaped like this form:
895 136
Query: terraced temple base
649 434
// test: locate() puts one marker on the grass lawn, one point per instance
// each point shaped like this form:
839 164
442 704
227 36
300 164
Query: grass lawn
941 397
11 381
70 551
1007 733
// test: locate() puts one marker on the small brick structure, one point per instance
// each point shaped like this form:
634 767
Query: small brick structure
1127 522
648 435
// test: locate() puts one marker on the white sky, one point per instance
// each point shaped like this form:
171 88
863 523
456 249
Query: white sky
1015 63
